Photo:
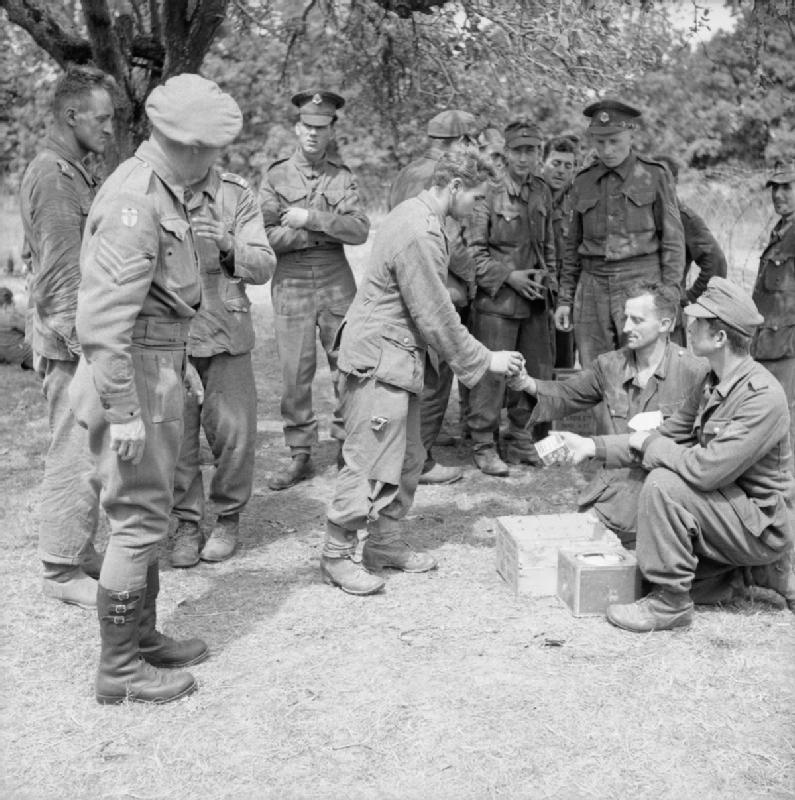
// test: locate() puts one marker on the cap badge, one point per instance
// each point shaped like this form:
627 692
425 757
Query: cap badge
604 117
129 217
317 99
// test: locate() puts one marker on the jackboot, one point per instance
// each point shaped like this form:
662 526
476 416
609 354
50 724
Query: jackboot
778 576
384 548
123 674
488 461
186 543
351 577
222 540
157 648
69 584
660 610
299 469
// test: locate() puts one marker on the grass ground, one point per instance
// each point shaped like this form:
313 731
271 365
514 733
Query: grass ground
445 686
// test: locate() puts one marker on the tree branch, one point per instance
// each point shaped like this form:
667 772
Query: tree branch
50 30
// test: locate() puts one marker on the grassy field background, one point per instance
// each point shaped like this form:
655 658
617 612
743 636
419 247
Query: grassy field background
445 686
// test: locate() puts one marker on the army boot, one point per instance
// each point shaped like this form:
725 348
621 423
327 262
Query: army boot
156 648
69 584
660 610
384 548
340 563
123 674
778 576
222 540
187 541
299 469
488 461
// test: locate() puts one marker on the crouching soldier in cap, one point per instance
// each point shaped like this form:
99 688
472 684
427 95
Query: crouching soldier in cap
233 251
139 291
402 309
448 130
719 486
774 291
513 244
625 226
311 208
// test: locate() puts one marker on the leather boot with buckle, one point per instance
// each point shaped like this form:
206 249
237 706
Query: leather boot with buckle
488 461
187 541
222 540
123 674
69 584
660 610
778 577
156 648
299 469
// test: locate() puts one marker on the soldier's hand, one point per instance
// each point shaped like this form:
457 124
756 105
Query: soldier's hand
579 447
207 225
128 439
506 362
193 383
637 439
522 283
563 318
295 218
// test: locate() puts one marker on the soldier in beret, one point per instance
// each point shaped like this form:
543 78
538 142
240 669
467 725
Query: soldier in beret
140 288
311 208
513 244
715 487
774 291
56 193
233 251
449 130
625 226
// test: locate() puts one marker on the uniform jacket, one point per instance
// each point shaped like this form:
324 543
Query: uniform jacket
327 189
734 439
678 378
702 248
139 270
415 178
622 214
511 230
402 306
223 322
774 295
55 196
561 221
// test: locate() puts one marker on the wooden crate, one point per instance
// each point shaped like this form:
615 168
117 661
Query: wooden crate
527 547
591 579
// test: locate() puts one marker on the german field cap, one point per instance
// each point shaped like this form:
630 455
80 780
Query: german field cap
191 110
453 124
522 131
611 116
729 303
782 173
317 106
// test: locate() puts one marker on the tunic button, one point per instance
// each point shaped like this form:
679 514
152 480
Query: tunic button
405 340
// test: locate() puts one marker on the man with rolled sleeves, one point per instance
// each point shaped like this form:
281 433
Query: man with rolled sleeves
625 226
448 130
718 484
311 208
56 192
140 288
402 308
774 291
233 251
513 244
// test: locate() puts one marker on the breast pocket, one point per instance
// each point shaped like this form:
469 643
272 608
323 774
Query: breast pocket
178 259
712 429
640 211
779 275
292 195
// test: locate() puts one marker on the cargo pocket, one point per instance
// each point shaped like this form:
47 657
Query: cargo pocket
165 393
401 362
753 520
233 296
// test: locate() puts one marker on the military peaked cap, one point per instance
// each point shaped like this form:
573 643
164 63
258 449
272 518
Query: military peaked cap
611 116
522 131
729 303
782 173
317 106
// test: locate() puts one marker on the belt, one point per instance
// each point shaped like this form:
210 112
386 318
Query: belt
169 334
598 265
